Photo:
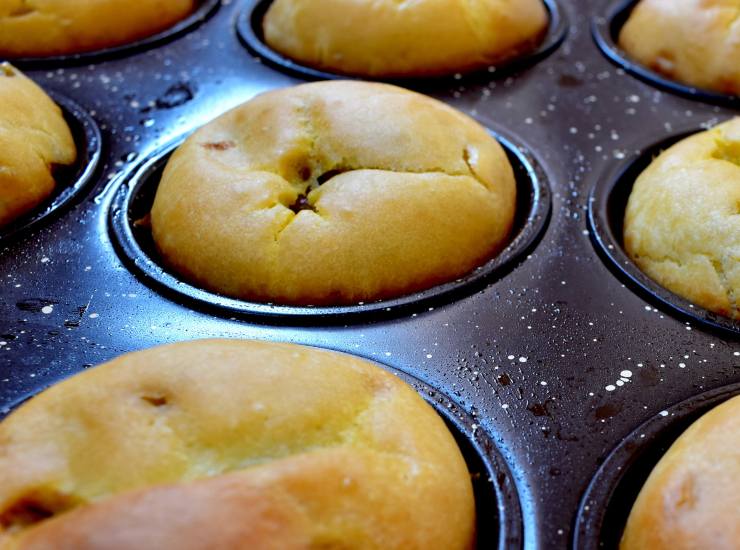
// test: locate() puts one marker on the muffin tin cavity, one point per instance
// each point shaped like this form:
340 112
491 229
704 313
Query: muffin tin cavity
607 205
607 502
205 9
498 511
605 30
71 181
249 29
133 200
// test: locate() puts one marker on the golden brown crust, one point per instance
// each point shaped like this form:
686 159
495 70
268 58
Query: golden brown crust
696 42
403 193
58 27
388 38
692 499
231 444
33 138
682 226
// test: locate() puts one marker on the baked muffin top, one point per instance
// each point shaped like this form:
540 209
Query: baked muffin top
334 193
34 138
692 497
232 444
37 28
696 42
387 38
682 226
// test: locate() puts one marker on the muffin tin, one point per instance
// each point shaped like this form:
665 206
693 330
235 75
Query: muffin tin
542 366
607 204
607 502
72 181
249 28
606 30
204 10
499 519
133 201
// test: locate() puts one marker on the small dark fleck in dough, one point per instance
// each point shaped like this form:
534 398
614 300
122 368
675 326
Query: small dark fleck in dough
219 145
155 400
35 507
21 11
301 203
23 513
304 172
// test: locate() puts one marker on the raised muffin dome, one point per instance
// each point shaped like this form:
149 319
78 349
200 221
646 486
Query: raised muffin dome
682 226
223 444
696 42
334 193
34 138
37 28
387 38
692 497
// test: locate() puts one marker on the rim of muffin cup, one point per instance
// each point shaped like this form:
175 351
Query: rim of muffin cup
134 193
71 181
249 30
605 31
205 9
498 513
606 208
607 502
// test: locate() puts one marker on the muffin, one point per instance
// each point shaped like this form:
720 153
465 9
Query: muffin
682 226
692 498
696 42
61 27
224 444
34 139
333 193
387 38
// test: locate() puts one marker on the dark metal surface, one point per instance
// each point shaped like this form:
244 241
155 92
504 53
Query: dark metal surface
249 28
607 205
606 28
134 199
608 500
556 362
205 9
71 181
499 526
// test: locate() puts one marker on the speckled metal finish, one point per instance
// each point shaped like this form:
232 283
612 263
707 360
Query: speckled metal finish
556 361
607 502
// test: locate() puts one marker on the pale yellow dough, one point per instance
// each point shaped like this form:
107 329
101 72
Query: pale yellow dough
696 42
391 38
218 445
691 500
682 225
33 28
34 137
403 192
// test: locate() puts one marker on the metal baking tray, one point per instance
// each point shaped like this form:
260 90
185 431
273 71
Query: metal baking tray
606 503
72 181
249 28
543 365
134 197
606 30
